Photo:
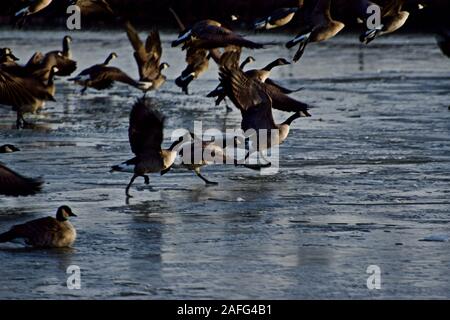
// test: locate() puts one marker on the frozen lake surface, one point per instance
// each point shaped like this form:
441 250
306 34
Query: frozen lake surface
361 183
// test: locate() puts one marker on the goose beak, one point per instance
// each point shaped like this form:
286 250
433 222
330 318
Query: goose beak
13 57
72 215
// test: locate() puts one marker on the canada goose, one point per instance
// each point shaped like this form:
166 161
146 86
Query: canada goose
258 74
39 66
45 232
320 27
276 19
101 76
145 134
14 184
443 41
6 56
63 59
25 94
148 58
280 100
34 7
197 63
255 102
210 34
393 17
8 148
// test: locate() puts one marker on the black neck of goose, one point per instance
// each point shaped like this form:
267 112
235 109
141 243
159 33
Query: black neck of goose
244 63
108 60
289 120
271 65
66 46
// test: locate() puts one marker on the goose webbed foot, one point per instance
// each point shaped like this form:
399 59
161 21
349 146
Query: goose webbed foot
208 182
127 190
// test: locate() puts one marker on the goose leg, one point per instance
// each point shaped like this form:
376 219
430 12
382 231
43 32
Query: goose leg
197 172
83 91
146 180
227 107
127 190
19 121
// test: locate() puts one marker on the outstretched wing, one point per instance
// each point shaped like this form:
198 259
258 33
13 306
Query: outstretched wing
146 128
17 91
250 97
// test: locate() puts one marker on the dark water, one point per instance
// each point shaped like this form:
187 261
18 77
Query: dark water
361 183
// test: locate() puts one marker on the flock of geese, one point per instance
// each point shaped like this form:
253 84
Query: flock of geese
27 87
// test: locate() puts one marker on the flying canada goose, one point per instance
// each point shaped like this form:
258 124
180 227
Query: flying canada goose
197 63
279 98
101 76
34 7
45 232
320 27
25 94
278 18
261 75
210 34
443 41
393 17
148 58
255 102
145 134
63 59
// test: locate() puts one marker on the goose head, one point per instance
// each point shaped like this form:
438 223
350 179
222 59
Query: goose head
111 56
7 52
63 213
281 62
67 39
163 66
8 148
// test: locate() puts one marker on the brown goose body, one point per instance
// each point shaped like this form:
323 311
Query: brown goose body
63 59
45 232
14 184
